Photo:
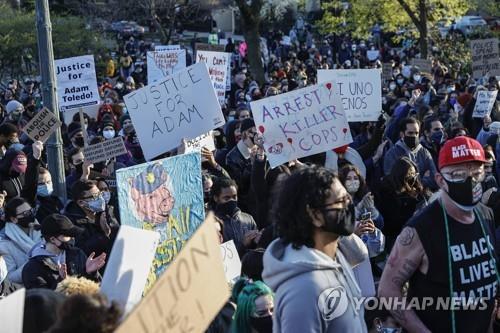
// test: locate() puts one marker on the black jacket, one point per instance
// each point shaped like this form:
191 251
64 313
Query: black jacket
21 185
42 272
47 206
240 169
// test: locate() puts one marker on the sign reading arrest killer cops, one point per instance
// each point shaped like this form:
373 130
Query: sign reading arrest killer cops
485 57
76 82
360 91
165 196
218 64
301 123
164 63
43 124
104 150
484 103
190 293
183 105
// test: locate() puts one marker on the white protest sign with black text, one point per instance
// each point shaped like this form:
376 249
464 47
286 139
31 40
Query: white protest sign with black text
231 260
129 265
167 47
484 103
183 105
205 140
12 312
485 57
161 64
301 123
76 82
360 91
217 63
189 294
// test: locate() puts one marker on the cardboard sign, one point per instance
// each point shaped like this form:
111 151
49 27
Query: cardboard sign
161 64
217 63
360 91
386 71
301 123
190 293
43 124
424 65
183 105
372 55
485 57
167 47
12 312
231 260
484 103
105 150
209 47
76 82
165 196
129 265
206 140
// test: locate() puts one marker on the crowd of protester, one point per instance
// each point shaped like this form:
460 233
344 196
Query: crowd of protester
301 229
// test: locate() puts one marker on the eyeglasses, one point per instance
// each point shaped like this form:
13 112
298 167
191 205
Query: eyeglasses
29 212
461 175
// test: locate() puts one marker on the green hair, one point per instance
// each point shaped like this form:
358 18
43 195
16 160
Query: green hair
246 292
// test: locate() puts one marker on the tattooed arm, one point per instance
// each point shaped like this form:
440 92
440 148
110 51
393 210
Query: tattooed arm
406 257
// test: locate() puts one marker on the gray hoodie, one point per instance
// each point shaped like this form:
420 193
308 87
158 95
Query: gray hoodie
313 292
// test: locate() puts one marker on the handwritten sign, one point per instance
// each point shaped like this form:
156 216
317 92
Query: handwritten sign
190 293
43 124
386 71
360 91
129 265
76 82
105 150
217 63
424 65
206 140
182 105
12 312
485 57
301 123
484 103
231 260
164 63
167 47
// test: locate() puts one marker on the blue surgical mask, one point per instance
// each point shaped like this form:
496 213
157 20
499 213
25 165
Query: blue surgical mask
96 205
44 190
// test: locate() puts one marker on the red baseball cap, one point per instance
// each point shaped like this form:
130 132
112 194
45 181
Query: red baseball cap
461 149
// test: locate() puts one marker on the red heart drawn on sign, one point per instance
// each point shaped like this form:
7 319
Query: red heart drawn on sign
290 140
344 130
329 86
261 129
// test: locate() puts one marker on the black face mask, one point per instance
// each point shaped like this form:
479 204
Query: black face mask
339 221
466 194
410 141
64 246
79 142
262 324
26 221
79 168
227 208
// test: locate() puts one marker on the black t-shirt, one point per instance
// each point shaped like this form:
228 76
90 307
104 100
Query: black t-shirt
473 269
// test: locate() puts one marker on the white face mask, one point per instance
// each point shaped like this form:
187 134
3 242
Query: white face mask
108 134
352 186
392 86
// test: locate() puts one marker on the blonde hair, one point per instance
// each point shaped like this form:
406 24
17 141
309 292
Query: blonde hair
77 286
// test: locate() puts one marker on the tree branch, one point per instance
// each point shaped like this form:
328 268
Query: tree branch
410 13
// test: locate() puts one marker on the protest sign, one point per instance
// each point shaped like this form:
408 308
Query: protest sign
231 260
484 103
91 111
161 64
43 124
165 196
301 123
128 266
372 55
386 71
167 47
190 293
12 312
485 57
105 150
206 140
424 65
183 105
217 63
209 47
360 91
76 82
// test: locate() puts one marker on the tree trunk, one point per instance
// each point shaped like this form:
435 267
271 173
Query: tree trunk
252 37
423 30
